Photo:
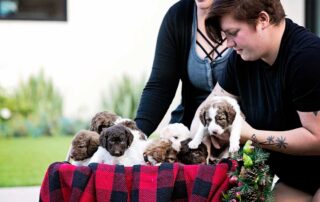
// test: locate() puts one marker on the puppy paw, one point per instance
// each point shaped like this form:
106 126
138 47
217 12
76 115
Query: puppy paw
233 148
193 144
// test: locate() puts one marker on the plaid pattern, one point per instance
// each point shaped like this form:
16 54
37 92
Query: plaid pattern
167 182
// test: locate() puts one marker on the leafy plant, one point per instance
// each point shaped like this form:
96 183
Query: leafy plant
36 108
124 96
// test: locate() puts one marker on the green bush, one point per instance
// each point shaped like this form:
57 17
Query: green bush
123 97
35 106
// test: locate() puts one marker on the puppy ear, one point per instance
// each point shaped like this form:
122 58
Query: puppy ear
100 128
93 144
103 138
230 113
130 137
203 113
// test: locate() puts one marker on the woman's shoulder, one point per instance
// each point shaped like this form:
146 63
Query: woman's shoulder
182 7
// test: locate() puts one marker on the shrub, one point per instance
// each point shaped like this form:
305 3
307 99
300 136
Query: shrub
36 108
124 97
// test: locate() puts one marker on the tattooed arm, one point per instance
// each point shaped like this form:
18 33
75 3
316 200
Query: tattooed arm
299 141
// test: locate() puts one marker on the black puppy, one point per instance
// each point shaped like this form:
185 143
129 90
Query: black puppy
117 147
192 156
116 139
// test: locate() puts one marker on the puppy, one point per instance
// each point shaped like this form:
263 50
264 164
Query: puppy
220 116
175 133
160 151
84 144
119 146
165 148
103 120
131 125
192 156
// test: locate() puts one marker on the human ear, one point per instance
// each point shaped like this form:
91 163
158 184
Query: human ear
263 20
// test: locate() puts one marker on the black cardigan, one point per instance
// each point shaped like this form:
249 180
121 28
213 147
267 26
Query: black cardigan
169 66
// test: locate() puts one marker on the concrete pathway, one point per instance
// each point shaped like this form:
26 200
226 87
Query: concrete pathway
19 194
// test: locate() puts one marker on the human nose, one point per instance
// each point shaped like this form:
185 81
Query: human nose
230 43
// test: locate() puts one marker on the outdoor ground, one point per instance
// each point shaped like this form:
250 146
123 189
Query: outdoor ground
24 161
19 194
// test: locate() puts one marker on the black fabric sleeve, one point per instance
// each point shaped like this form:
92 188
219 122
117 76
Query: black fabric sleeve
228 79
304 80
163 81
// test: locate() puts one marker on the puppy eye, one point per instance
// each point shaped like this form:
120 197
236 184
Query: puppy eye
209 119
175 137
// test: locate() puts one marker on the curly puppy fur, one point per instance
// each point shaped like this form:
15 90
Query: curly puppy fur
131 125
160 151
175 133
103 120
116 139
119 146
84 144
192 156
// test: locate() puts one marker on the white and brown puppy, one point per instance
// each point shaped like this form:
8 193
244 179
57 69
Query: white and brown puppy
220 116
176 133
84 144
119 146
166 147
160 151
103 120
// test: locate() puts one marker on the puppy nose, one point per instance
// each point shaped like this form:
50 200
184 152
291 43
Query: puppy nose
117 153
214 132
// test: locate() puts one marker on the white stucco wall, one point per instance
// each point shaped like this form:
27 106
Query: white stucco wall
295 10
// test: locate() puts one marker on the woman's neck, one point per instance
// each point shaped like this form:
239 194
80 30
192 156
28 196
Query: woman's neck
201 16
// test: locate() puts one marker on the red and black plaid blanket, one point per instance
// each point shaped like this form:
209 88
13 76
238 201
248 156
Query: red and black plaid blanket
167 182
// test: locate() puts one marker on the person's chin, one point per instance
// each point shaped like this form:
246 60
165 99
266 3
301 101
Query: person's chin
246 57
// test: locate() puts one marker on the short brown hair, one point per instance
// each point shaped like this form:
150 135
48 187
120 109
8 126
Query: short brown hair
242 10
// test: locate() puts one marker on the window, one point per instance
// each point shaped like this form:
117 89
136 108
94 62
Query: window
313 16
33 10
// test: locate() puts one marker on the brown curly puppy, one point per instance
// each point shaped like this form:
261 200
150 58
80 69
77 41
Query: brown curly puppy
103 120
84 144
160 151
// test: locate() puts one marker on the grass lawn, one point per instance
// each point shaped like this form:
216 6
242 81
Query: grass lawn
24 161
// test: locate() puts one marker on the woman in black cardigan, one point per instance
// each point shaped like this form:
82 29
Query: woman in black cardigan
183 52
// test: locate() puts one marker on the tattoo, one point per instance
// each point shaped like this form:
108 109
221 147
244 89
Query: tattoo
315 113
279 142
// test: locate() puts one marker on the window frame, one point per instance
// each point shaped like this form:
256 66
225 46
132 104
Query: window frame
311 20
28 18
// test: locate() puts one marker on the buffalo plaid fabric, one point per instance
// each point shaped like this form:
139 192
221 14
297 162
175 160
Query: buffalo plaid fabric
167 182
